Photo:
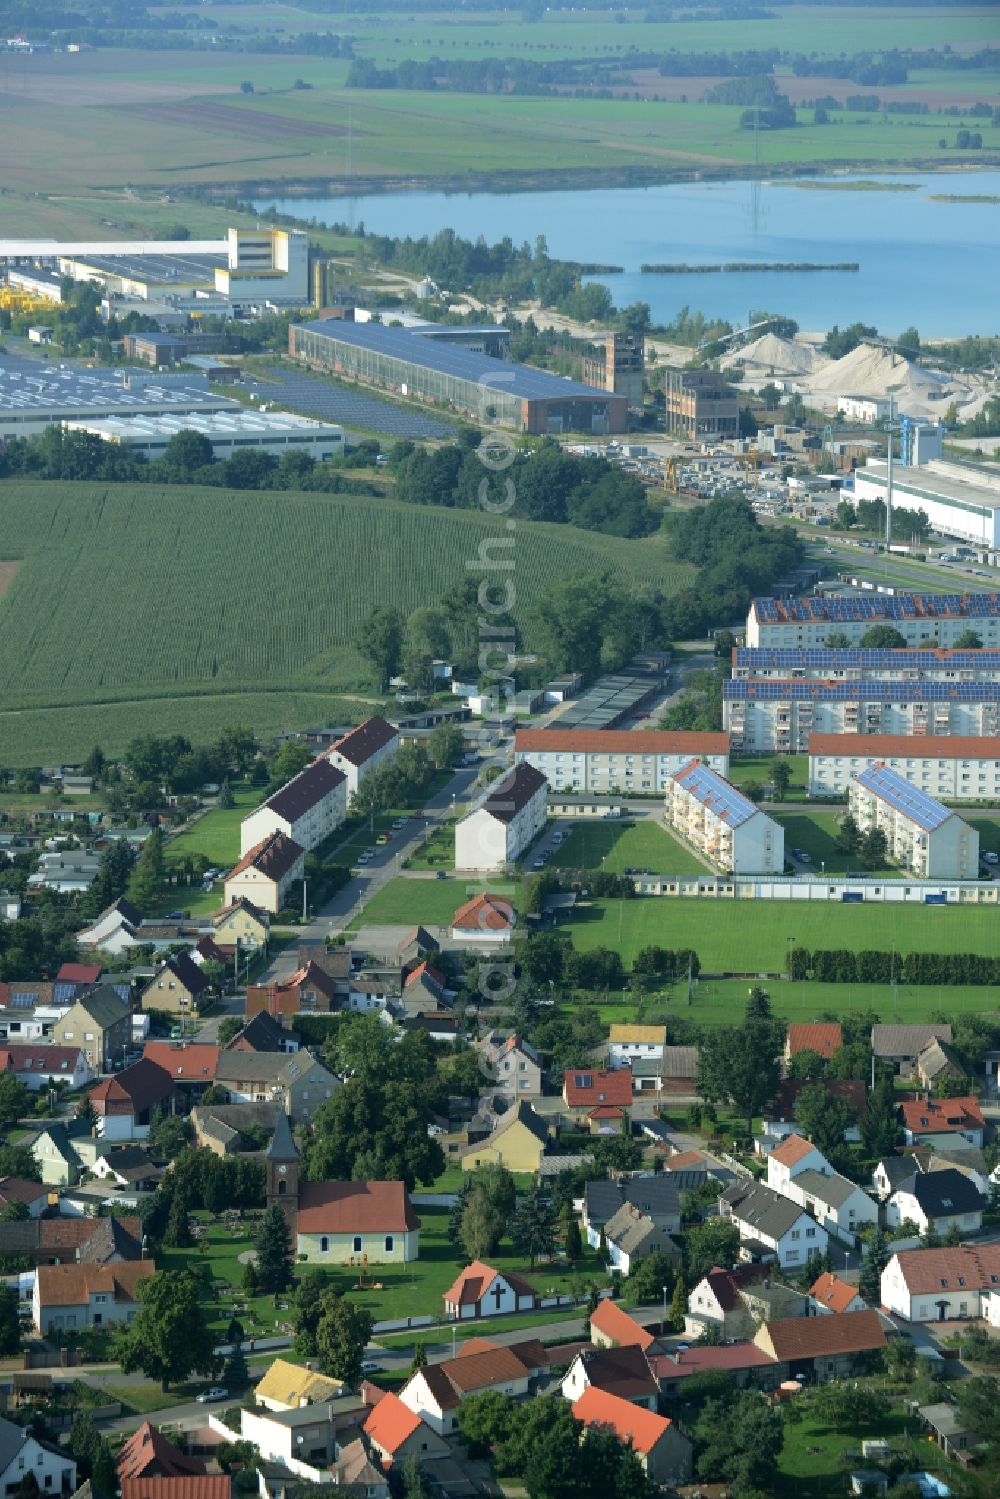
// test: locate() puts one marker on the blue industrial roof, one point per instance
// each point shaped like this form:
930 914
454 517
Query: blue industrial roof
827 658
863 689
501 375
898 793
715 792
878 606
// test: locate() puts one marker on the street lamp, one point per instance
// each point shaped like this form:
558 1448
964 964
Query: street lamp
664 1308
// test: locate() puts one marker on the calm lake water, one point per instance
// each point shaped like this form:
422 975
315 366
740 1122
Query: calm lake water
922 262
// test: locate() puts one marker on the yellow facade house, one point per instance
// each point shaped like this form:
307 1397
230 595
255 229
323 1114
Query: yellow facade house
290 1387
518 1142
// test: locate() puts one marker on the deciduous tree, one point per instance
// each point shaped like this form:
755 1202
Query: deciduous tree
169 1338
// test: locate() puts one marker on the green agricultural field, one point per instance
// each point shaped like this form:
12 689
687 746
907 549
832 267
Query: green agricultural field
612 846
216 835
207 600
753 935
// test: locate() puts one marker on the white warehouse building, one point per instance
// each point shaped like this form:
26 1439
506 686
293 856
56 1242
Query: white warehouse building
958 499
773 717
922 835
229 432
723 824
506 822
956 767
616 760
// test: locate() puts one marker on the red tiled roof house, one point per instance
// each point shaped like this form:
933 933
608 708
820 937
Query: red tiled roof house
481 1291
664 1451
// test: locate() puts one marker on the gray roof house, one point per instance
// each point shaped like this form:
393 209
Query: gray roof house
100 1024
902 1044
771 1226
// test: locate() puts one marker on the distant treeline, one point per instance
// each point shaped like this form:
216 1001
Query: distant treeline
841 966
752 265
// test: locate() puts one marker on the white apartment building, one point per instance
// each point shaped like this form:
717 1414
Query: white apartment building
851 664
922 835
869 409
363 750
616 761
956 768
307 809
723 824
505 823
918 617
769 717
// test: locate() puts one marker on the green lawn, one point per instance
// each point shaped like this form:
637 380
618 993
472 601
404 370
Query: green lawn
216 835
437 851
433 902
815 832
605 844
756 770
748 936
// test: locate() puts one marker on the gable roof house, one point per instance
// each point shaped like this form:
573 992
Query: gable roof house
900 1045
664 1452
307 809
505 822
623 1371
99 1024
363 1222
656 1197
484 921
632 1236
241 924
22 1189
231 1128
515 1066
23 1455
104 928
436 1391
61 1241
289 1387
940 1285
772 1226
839 1204
829 1294
934 1120
718 1299
396 1432
586 1089
679 1070
481 1291
310 990
264 1033
298 1080
148 1454
519 1142
211 1486
636 1043
611 1327
266 872
42 1065
72 1297
177 987
794 1155
937 1061
124 1104
937 1201
778 1120
190 1065
363 750
817 1036
55 1149
823 1347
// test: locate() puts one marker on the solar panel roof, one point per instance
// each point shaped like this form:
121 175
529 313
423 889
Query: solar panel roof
715 792
864 689
331 402
898 793
463 364
767 658
878 606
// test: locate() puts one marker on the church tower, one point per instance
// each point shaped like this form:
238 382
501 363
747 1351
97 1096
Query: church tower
282 1166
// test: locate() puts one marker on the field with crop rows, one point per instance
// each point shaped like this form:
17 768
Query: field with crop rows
133 593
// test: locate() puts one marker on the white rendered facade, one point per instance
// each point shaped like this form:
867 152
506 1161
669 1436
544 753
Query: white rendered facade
955 768
783 720
274 432
609 761
957 499
936 846
728 829
941 619
307 809
497 832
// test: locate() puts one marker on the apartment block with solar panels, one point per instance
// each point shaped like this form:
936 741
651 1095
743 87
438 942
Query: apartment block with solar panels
921 834
723 824
937 619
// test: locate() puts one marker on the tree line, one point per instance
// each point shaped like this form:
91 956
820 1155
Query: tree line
870 966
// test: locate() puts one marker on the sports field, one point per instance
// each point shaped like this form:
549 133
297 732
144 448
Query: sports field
754 936
192 609
609 845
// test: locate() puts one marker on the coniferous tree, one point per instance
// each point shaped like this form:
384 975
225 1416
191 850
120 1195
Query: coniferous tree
274 1251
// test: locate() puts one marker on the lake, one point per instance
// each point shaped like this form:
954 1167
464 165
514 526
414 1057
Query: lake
923 262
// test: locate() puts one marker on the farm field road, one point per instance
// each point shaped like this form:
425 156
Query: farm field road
754 936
